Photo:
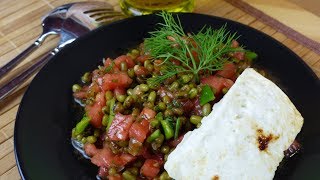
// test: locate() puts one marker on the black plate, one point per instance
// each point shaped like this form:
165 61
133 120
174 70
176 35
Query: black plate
46 115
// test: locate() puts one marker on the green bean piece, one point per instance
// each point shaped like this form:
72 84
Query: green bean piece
82 124
198 125
195 119
185 79
157 142
135 112
73 133
128 176
96 133
186 88
123 143
152 96
112 114
177 111
250 55
165 149
159 116
177 129
118 108
154 123
108 95
134 170
76 88
91 139
112 171
206 109
121 97
123 66
168 130
150 67
165 176
165 157
104 109
83 140
144 87
86 77
193 93
131 73
174 86
105 120
206 95
146 63
162 106
154 136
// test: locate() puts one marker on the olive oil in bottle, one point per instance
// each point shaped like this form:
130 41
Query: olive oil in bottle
142 7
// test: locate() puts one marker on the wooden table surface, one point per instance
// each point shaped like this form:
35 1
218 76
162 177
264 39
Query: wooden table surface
20 25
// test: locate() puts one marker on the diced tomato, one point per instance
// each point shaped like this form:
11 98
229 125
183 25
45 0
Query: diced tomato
123 159
115 177
103 158
143 58
147 113
228 71
150 168
94 87
90 149
80 95
124 58
103 172
116 80
218 83
239 55
94 111
120 126
119 91
176 62
234 44
157 64
139 130
140 70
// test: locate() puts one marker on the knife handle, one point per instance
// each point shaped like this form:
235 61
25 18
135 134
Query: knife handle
8 88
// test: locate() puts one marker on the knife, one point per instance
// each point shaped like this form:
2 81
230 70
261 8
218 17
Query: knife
71 30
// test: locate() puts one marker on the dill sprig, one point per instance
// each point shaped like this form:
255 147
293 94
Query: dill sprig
170 42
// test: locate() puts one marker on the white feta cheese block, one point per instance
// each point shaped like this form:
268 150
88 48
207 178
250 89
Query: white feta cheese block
244 137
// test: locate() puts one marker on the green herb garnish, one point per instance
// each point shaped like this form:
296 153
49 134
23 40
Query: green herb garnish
207 95
205 51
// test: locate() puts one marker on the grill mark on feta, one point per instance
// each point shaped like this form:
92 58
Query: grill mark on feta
244 136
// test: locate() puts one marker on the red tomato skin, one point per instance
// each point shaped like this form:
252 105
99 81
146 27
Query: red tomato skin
124 58
119 91
90 149
140 70
119 129
150 168
94 111
103 158
80 95
103 172
147 113
139 130
234 44
143 58
218 83
116 80
239 55
228 71
174 143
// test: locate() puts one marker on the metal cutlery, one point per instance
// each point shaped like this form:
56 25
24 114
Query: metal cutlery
79 21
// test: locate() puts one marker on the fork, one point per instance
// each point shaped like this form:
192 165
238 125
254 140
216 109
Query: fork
88 15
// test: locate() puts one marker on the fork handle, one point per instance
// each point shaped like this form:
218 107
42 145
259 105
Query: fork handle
15 82
11 64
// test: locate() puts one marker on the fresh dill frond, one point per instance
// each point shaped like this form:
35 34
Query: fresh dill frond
205 51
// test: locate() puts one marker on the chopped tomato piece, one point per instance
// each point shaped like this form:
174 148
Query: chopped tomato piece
157 65
120 126
80 95
147 113
234 44
228 71
119 91
94 111
103 172
239 55
103 158
140 70
116 80
123 159
218 83
143 58
150 168
139 130
90 149
124 58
